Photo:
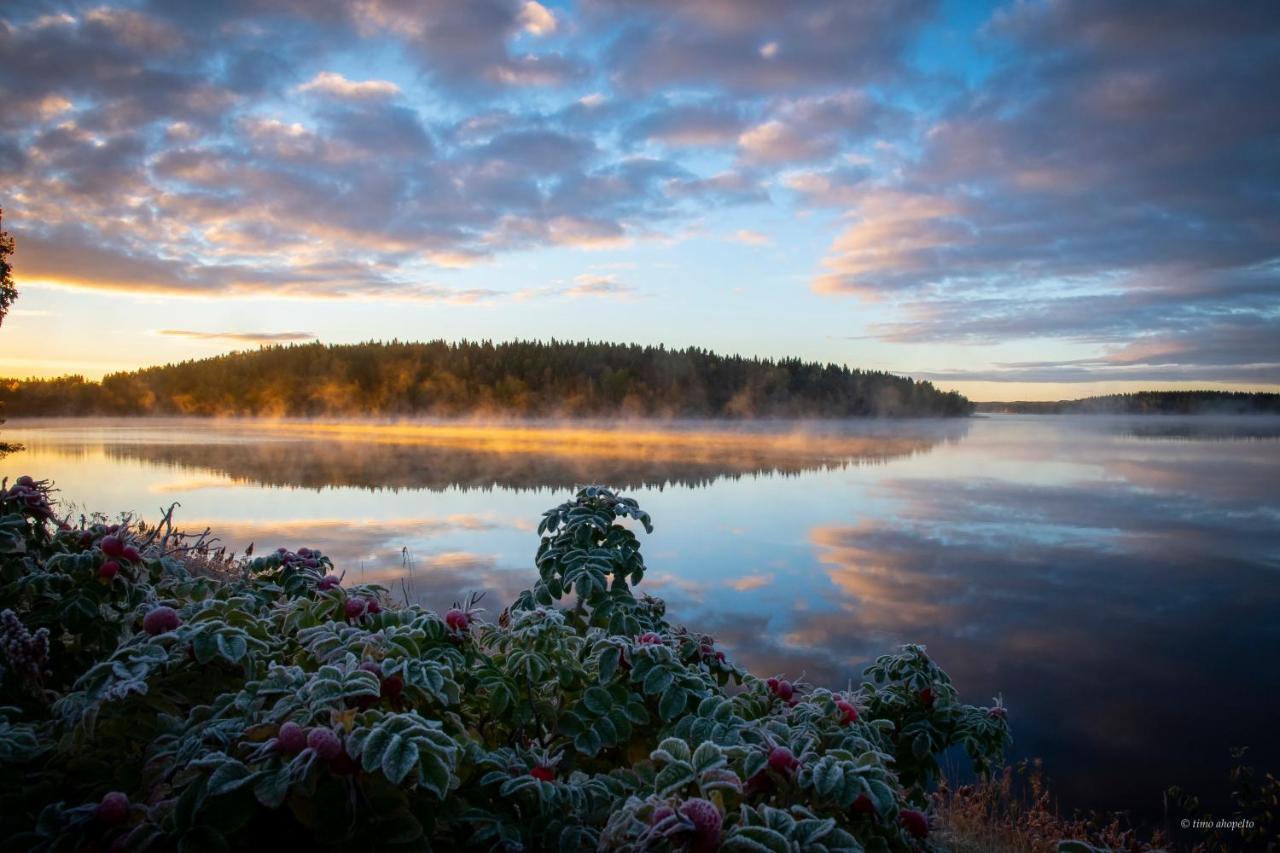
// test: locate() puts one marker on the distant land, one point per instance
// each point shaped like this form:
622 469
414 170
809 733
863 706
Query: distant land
469 379
1149 403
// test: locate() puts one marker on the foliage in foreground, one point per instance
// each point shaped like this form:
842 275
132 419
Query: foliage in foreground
1014 812
150 708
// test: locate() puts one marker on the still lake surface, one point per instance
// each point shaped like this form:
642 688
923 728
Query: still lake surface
1117 580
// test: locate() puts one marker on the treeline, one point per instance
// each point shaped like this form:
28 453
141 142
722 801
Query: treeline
521 378
1150 403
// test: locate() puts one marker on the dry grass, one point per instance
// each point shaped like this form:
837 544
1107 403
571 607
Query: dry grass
1014 813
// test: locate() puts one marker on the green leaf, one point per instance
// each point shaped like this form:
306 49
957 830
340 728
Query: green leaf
435 774
672 703
707 756
587 742
272 788
597 700
671 749
658 680
228 777
609 663
400 757
672 778
757 838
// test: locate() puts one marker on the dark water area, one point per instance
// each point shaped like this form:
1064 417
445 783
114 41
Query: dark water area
1116 580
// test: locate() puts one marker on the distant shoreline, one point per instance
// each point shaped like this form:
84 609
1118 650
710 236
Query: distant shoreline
1145 403
469 379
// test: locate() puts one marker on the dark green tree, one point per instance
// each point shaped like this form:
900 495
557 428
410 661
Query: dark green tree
8 291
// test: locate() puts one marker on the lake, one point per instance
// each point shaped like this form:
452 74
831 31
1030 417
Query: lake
1117 580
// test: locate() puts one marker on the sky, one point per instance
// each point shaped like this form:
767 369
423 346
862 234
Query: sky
1026 200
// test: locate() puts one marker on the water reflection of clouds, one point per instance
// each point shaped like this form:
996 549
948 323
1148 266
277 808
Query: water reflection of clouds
375 552
1139 608
1114 585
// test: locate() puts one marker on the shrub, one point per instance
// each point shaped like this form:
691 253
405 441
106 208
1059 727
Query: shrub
271 706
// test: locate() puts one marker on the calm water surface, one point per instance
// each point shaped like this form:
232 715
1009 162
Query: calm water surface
1117 580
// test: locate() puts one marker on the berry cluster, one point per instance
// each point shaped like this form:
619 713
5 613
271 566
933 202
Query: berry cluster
25 653
461 615
303 557
695 824
322 742
357 607
782 689
30 497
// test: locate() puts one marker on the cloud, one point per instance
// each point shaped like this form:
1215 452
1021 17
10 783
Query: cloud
1102 185
752 238
757 47
1063 176
696 124
746 583
597 285
537 19
189 180
240 337
811 129
335 85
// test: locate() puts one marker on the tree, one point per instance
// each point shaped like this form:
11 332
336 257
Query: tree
8 291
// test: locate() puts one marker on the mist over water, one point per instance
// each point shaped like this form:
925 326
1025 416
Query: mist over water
1116 579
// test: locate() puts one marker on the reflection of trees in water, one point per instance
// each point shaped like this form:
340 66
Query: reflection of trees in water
1235 429
377 464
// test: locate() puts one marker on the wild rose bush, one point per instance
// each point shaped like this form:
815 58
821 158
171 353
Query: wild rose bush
147 708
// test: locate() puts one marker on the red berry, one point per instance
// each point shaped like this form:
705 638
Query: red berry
457 620
292 738
660 814
914 822
109 569
113 810
848 713
282 551
782 760
926 697
546 774
863 805
304 552
354 608
372 605
997 713
24 480
131 554
649 639
325 742
391 688
772 684
706 821
329 582
160 620
112 546
785 691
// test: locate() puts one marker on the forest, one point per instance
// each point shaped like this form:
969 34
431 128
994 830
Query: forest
1149 403
482 378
